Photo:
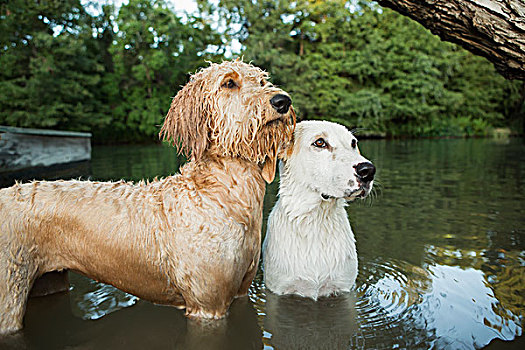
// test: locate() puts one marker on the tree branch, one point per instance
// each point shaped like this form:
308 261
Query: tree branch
494 29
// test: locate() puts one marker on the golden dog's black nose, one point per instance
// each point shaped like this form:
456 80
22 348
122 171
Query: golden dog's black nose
365 171
281 103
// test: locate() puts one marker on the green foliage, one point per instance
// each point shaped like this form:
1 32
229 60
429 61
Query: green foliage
367 67
79 65
64 68
48 72
153 52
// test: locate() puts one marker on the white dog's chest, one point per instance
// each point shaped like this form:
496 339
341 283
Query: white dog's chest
323 255
305 258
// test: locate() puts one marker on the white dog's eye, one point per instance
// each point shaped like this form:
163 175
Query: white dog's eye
354 143
319 143
263 82
230 84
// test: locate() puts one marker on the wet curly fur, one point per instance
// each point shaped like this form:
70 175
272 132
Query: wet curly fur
190 240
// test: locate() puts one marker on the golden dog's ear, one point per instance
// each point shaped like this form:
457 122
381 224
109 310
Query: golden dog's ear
283 152
186 124
269 166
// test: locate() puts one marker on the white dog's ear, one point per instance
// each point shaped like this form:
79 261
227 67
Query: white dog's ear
186 124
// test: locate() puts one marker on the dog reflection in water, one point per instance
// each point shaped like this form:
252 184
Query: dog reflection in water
303 323
55 322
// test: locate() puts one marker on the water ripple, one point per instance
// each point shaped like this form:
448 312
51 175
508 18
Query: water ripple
395 305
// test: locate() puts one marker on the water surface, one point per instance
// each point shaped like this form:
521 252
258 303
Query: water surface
441 265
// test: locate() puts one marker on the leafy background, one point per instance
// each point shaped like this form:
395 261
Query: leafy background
113 69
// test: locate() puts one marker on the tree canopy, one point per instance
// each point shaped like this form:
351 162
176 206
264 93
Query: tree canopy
76 65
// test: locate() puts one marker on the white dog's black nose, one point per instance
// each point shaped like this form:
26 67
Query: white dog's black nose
281 103
365 171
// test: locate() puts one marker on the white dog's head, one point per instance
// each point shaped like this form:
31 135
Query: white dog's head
324 158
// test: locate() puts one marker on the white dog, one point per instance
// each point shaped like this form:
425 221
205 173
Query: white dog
309 247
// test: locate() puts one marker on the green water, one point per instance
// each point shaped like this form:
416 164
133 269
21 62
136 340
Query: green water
441 265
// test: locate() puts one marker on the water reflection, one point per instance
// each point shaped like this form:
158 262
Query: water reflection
395 304
454 210
50 323
91 300
297 323
441 265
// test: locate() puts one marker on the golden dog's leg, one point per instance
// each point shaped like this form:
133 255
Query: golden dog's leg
210 306
248 278
18 271
211 302
203 312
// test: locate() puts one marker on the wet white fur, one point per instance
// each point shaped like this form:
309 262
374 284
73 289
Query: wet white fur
309 247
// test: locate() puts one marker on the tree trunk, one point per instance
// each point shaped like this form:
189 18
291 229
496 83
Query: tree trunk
494 29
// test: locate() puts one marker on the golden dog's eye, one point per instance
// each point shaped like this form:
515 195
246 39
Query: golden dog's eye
354 143
230 84
320 143
263 82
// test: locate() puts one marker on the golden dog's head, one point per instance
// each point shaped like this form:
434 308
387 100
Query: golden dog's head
231 110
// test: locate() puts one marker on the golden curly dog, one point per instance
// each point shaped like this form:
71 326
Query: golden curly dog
191 240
